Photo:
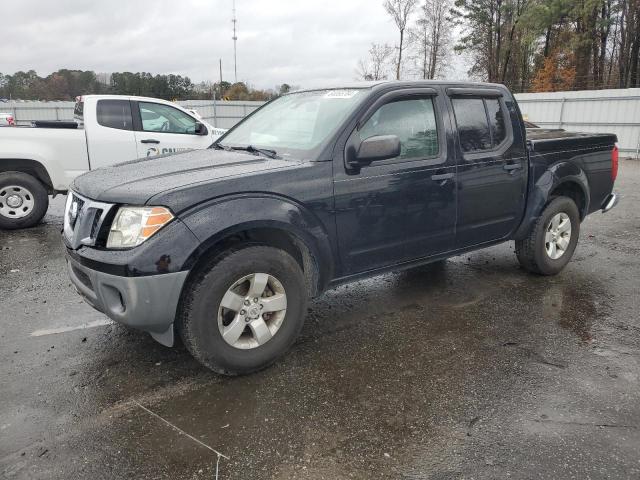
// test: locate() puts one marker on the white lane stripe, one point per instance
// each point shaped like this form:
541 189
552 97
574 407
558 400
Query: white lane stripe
53 331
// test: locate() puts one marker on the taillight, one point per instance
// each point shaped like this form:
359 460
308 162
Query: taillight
11 121
614 163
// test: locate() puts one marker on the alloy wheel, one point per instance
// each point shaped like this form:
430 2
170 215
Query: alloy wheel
252 311
557 235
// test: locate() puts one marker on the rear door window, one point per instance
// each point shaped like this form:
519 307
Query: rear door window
473 127
115 114
481 123
496 121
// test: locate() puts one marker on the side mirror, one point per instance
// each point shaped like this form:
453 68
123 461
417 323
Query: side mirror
200 129
379 147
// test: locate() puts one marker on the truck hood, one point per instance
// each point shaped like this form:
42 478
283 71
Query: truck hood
137 181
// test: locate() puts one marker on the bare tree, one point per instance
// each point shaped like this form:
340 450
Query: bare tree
432 36
400 10
375 67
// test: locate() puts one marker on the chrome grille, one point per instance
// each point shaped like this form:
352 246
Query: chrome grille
83 219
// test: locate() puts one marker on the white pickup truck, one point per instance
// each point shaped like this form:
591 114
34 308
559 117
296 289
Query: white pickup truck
42 160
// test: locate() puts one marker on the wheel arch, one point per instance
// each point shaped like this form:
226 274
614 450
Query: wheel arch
30 167
574 190
561 179
264 220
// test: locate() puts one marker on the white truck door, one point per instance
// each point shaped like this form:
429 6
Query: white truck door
166 129
110 136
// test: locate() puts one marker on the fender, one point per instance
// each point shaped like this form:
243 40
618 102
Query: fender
539 193
213 221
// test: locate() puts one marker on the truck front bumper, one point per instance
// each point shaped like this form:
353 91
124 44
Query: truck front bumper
148 303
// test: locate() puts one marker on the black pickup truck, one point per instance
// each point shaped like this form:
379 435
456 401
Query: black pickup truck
317 188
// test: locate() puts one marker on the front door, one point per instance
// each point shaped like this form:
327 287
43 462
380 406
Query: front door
403 208
165 129
492 167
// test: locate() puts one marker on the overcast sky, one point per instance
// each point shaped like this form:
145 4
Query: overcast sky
300 42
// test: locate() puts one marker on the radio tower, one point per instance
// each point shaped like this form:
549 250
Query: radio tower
235 39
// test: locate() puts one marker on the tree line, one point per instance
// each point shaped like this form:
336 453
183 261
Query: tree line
529 45
67 84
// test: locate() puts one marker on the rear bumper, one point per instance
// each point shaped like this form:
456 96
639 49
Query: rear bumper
147 303
610 202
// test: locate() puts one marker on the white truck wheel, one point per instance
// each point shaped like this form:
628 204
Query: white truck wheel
23 200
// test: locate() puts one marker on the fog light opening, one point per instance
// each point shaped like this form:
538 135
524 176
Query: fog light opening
114 300
123 306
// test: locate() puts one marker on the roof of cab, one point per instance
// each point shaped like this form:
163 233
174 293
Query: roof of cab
375 84
125 97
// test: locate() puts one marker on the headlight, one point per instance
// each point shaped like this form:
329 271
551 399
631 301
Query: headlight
133 225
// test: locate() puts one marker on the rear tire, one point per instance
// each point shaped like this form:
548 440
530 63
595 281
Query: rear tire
206 325
553 238
23 200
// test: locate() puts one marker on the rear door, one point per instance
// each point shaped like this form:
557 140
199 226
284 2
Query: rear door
110 137
492 165
402 208
161 128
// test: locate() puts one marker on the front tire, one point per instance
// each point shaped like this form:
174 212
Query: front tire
550 244
243 309
23 200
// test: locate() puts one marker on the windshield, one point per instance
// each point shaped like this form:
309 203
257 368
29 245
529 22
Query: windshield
297 124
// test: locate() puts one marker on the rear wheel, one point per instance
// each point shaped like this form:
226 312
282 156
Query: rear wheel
552 240
243 310
23 200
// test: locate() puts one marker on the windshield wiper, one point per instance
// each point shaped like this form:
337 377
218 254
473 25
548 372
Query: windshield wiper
264 151
217 146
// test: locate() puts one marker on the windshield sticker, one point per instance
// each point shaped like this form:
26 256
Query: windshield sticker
340 93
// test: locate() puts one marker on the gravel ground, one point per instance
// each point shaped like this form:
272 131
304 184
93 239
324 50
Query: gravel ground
473 369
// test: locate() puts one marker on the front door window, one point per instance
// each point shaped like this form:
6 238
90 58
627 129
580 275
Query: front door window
157 117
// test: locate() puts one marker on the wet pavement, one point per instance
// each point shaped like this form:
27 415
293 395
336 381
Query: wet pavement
471 369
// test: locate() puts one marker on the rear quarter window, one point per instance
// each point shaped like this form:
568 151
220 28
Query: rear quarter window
114 114
78 112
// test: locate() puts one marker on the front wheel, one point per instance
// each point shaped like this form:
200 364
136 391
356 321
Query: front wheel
552 240
243 310
23 200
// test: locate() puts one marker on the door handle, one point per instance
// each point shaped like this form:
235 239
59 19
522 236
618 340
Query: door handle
511 166
150 140
441 176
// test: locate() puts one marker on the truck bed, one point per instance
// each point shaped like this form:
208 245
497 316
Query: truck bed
62 150
545 140
574 155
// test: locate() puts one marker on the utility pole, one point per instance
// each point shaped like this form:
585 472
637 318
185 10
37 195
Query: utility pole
219 84
235 40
